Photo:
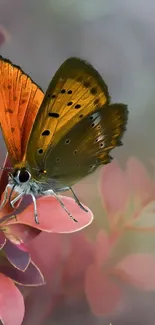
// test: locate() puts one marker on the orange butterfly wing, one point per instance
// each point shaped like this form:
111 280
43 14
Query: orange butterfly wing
20 99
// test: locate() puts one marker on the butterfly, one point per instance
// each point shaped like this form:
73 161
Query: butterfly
57 138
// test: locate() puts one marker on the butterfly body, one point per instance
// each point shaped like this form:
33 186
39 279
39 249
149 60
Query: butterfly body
56 139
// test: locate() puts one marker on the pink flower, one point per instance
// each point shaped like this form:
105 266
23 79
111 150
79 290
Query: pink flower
16 264
128 198
82 268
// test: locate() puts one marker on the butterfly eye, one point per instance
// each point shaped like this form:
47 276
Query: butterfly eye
24 176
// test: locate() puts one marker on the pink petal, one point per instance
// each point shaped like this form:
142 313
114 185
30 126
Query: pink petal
102 294
53 218
11 302
139 180
138 270
114 188
102 248
21 234
18 258
31 277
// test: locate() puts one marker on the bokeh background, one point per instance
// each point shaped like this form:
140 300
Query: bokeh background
118 38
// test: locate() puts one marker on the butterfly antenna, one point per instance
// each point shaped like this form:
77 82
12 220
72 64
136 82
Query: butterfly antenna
5 168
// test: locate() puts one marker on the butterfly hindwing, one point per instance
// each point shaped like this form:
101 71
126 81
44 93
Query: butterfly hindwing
76 90
86 146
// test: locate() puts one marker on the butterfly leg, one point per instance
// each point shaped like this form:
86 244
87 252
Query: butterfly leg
68 188
5 197
50 192
35 208
16 199
77 200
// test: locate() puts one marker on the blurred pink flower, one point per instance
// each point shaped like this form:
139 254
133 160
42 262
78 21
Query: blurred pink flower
128 196
16 233
82 268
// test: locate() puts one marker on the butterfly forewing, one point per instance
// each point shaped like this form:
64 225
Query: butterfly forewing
20 99
76 90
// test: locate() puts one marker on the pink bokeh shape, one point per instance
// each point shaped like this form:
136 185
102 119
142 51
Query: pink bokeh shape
102 293
138 270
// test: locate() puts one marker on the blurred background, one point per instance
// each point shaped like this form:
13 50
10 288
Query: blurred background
117 37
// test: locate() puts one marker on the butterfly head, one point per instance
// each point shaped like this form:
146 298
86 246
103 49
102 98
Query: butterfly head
21 176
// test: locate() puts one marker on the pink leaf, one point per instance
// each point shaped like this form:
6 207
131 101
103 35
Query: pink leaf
31 277
11 302
102 294
114 188
53 218
138 270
